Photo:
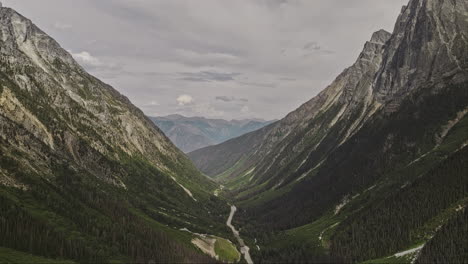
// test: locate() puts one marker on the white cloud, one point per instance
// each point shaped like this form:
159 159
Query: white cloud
86 59
184 99
273 52
245 109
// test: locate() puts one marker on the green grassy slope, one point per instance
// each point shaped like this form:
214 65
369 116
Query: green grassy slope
9 256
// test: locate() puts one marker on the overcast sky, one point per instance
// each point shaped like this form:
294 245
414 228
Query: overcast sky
214 58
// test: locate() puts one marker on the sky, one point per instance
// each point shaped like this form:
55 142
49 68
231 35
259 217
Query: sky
213 58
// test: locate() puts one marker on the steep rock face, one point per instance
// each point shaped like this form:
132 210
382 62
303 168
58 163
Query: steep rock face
428 48
430 43
78 157
38 58
351 90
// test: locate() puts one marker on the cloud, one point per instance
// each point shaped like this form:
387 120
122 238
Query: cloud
86 59
184 99
208 76
274 52
230 99
97 66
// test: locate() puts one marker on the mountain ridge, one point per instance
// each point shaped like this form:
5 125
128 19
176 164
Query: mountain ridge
384 126
191 133
84 174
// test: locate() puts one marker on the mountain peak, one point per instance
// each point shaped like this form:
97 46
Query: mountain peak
73 137
429 42
21 38
381 36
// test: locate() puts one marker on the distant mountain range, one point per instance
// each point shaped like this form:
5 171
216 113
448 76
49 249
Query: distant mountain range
192 133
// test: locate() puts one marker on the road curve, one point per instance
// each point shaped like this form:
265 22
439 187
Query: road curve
244 249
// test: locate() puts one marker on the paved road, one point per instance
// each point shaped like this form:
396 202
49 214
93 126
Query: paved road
244 249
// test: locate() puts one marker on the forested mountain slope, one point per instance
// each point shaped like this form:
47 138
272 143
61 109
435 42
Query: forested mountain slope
84 175
352 174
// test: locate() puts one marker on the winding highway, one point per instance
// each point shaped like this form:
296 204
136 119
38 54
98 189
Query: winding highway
244 248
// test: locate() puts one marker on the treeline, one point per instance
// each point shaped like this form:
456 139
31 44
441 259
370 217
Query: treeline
96 235
398 222
74 217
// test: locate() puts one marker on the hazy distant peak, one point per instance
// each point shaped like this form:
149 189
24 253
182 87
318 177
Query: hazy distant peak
192 133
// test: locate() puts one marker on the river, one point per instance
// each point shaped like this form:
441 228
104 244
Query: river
244 248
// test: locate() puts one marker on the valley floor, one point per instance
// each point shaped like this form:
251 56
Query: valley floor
244 248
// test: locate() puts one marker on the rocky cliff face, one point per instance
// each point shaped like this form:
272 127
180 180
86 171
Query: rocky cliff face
43 71
428 45
73 147
396 114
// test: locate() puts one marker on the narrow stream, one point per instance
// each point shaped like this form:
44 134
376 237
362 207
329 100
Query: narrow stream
244 248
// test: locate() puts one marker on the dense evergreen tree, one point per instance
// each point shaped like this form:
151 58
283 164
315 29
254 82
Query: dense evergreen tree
407 216
450 244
